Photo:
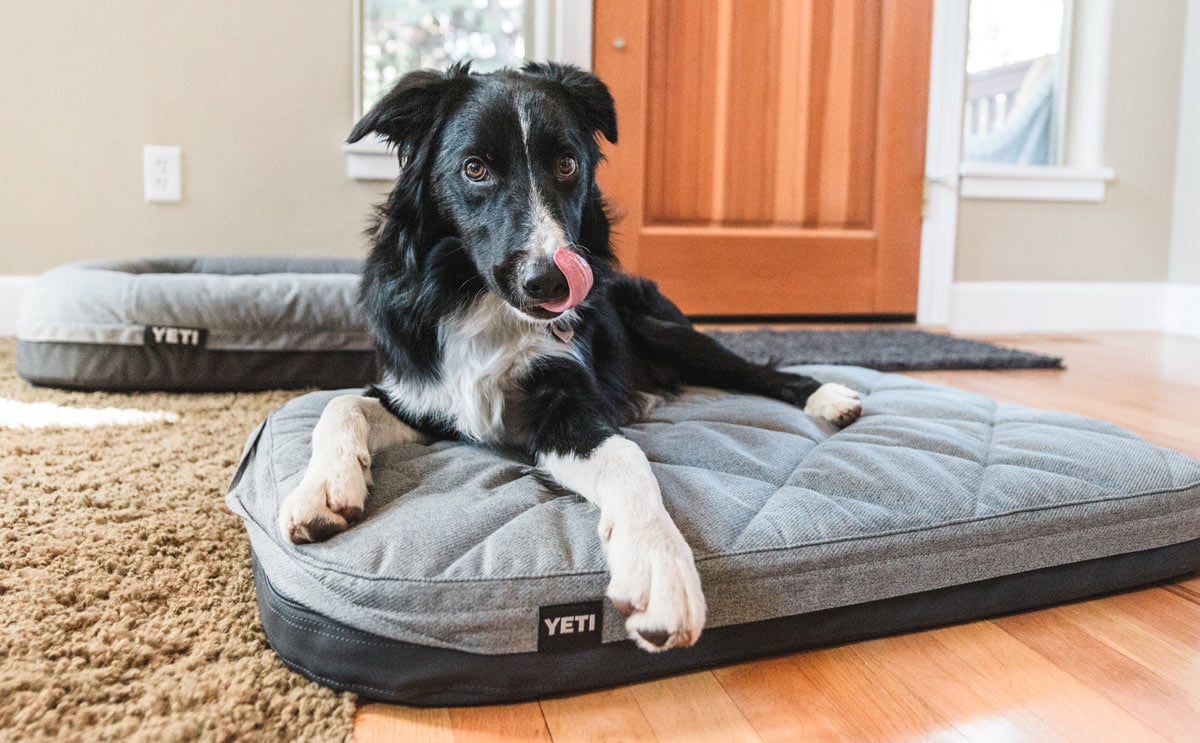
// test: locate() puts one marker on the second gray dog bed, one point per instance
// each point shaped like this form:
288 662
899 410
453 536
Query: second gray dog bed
196 324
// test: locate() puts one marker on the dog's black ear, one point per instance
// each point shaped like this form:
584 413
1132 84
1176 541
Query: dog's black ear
589 97
412 106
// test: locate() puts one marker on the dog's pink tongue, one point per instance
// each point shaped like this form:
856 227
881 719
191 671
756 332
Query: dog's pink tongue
579 278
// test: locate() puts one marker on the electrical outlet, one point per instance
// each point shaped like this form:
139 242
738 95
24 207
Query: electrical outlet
161 173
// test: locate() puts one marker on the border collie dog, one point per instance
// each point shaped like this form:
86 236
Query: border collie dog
501 318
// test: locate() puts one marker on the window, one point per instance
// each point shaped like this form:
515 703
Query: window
399 36
393 37
1033 104
1016 82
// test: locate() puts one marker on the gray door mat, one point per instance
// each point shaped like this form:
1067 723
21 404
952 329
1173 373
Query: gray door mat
878 348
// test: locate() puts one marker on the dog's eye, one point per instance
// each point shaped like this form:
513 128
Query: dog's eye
567 166
475 169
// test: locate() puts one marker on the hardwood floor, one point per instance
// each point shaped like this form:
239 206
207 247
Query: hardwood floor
1124 668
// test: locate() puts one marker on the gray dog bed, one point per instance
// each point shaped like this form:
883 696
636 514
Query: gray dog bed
196 324
937 506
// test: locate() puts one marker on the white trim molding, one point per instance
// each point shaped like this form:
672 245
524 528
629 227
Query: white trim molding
12 288
1183 309
371 159
943 149
1087 91
1061 307
1034 182
568 37
1185 217
559 30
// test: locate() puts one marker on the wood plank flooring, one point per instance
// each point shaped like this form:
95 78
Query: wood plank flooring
1124 668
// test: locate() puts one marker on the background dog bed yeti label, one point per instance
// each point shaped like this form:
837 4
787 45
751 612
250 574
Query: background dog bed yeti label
570 626
166 335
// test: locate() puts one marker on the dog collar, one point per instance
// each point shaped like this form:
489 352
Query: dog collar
563 330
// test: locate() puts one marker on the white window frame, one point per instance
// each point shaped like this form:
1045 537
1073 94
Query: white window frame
947 180
1081 176
943 153
559 30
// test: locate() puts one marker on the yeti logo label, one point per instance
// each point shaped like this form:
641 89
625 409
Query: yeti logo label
570 626
164 335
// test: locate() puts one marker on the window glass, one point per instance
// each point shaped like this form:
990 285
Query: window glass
1015 76
404 35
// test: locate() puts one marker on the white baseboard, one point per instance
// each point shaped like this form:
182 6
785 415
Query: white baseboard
12 288
1054 307
1183 309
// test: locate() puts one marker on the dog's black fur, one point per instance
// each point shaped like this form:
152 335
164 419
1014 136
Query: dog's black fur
443 240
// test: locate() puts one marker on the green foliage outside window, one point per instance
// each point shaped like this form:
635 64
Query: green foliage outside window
404 35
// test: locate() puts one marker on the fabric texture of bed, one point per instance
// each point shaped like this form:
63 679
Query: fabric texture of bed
934 490
196 324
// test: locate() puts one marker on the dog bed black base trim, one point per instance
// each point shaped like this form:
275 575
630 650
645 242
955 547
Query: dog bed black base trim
388 670
86 366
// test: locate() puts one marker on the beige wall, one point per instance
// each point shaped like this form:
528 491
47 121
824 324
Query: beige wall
258 94
1127 237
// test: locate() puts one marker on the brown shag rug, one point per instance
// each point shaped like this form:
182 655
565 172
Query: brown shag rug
126 602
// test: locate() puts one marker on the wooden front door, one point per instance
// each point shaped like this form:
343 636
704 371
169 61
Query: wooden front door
771 154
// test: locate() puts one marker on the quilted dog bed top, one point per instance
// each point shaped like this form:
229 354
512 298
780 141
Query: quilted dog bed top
932 487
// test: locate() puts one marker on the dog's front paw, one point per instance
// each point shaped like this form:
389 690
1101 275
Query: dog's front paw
654 583
835 403
328 500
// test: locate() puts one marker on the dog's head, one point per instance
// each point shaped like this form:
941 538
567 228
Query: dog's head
506 161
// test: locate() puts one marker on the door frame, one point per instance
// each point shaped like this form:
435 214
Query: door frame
561 31
943 153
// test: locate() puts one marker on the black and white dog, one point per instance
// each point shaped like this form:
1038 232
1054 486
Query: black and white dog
501 318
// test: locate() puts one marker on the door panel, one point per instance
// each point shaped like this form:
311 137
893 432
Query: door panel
771 153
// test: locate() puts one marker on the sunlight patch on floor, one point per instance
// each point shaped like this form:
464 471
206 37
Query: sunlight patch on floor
14 414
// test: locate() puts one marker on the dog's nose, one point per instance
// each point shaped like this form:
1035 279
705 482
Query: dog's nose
547 283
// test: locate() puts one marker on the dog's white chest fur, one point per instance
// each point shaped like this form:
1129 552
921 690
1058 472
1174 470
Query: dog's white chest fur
486 353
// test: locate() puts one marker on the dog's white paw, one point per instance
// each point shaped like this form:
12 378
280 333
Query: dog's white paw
836 403
654 583
329 499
